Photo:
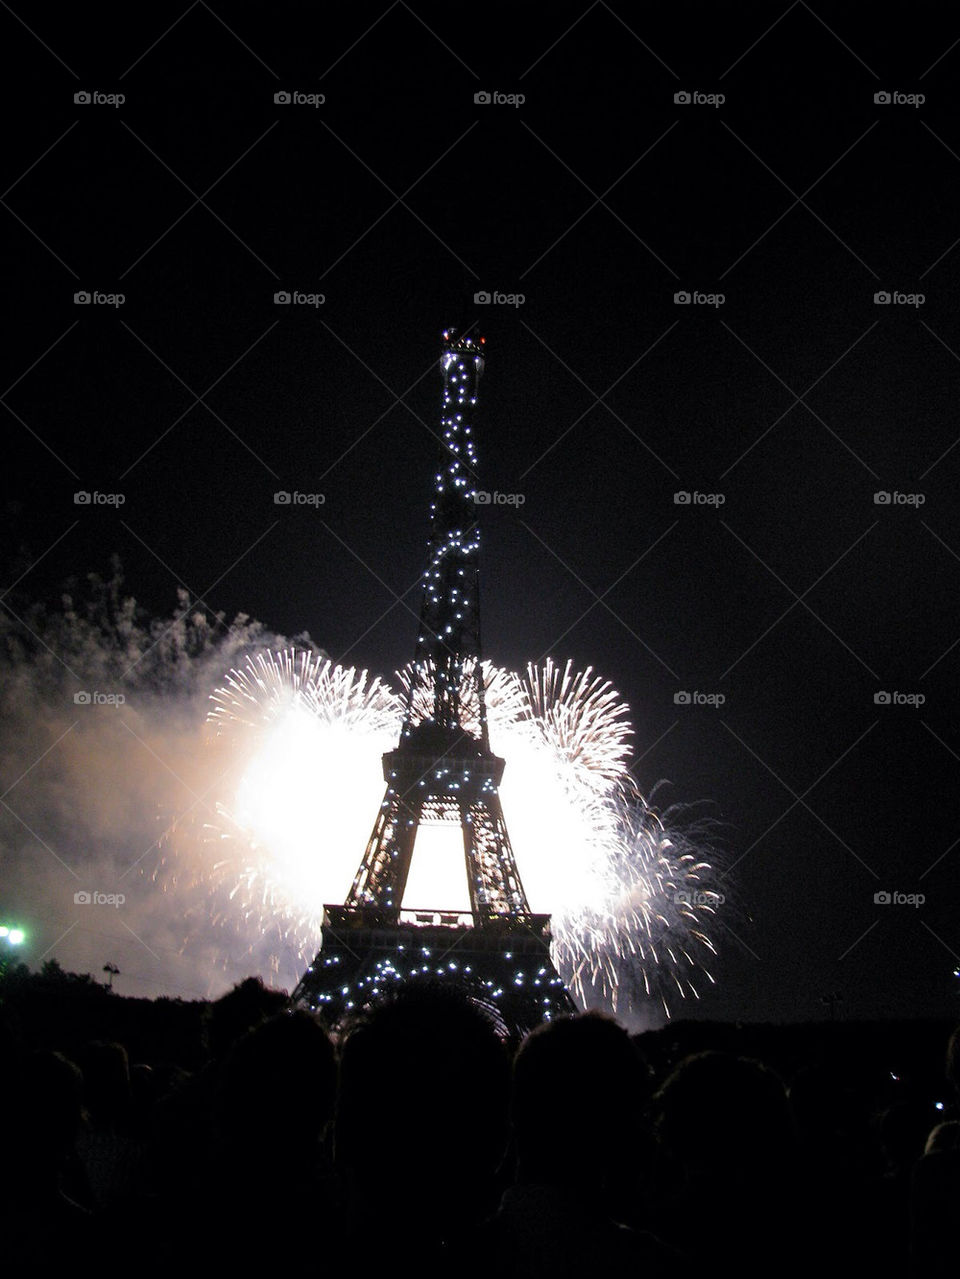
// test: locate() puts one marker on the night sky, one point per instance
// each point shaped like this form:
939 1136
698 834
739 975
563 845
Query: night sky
796 399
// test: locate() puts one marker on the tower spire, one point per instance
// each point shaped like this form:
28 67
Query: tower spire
448 643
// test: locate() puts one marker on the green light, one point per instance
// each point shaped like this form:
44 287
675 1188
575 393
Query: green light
16 936
4 930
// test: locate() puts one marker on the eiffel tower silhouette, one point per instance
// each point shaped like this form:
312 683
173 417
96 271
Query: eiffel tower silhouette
443 770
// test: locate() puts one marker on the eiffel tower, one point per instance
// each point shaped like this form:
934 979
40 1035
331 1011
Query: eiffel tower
443 770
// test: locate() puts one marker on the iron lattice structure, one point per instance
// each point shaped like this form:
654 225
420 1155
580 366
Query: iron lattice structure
443 770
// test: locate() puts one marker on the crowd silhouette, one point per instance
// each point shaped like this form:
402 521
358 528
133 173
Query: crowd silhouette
419 1138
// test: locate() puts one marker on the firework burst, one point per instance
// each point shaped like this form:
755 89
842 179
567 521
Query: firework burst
630 892
271 684
299 739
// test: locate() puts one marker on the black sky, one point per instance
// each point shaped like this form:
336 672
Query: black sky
598 198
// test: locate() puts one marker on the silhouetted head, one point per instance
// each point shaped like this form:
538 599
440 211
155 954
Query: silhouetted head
943 1137
421 1113
578 1093
43 1116
275 1094
723 1117
826 1110
238 1011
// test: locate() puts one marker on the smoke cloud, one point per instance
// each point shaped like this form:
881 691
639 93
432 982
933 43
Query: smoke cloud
104 744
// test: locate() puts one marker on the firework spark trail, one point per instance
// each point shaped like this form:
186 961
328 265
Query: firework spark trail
647 931
630 892
583 718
